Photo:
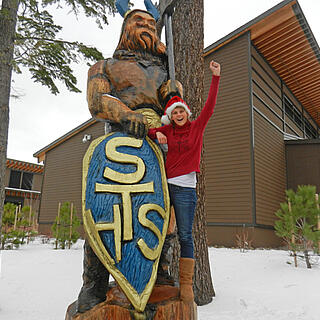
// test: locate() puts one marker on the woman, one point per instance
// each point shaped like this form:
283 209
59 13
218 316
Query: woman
184 139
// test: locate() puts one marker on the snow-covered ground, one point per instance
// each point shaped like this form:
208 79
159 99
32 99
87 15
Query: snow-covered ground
38 283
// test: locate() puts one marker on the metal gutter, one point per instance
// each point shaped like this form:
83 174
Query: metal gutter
307 30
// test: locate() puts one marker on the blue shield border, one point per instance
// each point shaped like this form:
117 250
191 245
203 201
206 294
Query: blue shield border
138 296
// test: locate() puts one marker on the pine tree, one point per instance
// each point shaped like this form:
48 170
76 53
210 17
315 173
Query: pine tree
63 224
13 231
298 221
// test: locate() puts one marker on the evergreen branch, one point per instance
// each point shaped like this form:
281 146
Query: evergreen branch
19 37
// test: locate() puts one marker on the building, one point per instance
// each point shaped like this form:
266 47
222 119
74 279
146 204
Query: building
269 94
62 178
23 181
264 101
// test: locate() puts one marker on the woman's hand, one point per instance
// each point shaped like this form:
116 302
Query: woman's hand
215 68
162 139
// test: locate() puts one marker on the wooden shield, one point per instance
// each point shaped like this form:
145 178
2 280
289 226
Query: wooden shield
126 210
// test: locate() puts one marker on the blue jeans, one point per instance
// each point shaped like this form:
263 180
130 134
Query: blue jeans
184 201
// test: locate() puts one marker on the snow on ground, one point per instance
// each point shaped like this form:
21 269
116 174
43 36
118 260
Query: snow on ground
38 283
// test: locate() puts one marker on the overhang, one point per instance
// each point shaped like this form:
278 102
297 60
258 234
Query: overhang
282 35
24 166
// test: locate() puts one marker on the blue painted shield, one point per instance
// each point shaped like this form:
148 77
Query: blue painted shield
126 210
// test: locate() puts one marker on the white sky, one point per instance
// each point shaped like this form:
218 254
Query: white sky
38 118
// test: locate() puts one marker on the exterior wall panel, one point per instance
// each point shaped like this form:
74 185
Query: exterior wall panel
260 65
270 170
37 182
267 112
303 163
63 174
268 97
227 138
269 148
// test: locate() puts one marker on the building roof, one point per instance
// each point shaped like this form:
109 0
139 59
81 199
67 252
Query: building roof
24 166
41 153
282 35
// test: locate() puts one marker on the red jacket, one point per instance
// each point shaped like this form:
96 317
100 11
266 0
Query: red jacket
185 142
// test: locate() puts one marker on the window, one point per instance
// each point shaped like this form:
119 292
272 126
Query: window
292 112
296 116
20 180
311 132
27 181
15 178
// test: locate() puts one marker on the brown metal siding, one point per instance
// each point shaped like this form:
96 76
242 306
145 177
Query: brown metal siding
267 112
227 138
37 182
269 152
227 236
303 164
270 170
266 88
63 174
264 69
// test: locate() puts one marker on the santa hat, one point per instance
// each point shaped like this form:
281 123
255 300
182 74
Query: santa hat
173 103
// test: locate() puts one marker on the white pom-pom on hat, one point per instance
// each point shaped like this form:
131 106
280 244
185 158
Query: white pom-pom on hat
173 103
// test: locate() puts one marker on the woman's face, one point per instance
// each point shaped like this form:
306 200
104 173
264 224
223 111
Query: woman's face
179 116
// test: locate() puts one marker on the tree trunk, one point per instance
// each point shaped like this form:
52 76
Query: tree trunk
8 20
189 66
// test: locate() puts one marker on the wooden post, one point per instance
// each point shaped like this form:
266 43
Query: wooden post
33 222
30 213
317 202
293 240
58 223
29 224
15 218
70 232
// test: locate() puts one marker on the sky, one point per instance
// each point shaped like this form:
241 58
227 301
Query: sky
256 284
37 117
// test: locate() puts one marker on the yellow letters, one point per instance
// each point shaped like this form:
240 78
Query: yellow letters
126 200
116 227
114 155
128 185
149 253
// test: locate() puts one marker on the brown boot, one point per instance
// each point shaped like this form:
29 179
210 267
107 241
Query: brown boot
186 269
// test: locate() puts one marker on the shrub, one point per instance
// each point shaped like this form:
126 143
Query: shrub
298 224
15 226
62 227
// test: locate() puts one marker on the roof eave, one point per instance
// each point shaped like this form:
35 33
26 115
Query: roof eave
236 33
41 153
